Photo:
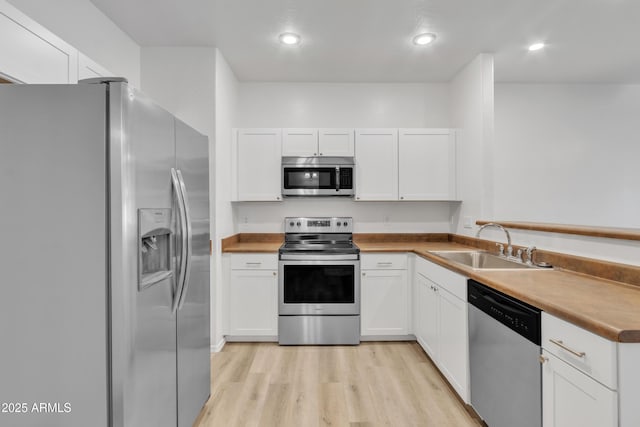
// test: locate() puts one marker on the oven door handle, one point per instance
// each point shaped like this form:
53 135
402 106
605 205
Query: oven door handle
320 257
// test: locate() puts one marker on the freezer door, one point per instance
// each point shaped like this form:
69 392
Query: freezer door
143 324
53 256
193 331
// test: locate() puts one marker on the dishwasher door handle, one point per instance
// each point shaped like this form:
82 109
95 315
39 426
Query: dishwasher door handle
563 346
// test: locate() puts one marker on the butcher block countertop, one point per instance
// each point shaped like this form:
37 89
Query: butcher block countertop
607 308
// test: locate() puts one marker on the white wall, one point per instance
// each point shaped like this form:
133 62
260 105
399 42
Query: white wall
472 116
182 80
85 27
344 105
369 217
226 115
569 154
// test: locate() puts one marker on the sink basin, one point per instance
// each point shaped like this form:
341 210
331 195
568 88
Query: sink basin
482 260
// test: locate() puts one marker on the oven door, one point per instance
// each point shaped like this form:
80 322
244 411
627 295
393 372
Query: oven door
319 287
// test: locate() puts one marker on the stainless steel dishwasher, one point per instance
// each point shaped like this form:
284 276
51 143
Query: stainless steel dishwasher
504 351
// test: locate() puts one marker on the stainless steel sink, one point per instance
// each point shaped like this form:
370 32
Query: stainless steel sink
482 260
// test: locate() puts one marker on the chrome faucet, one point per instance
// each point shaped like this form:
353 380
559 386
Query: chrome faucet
529 252
500 246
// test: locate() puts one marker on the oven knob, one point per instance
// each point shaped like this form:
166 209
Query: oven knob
339 223
291 224
345 223
298 224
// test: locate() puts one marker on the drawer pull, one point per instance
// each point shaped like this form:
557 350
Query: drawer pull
253 263
560 344
383 264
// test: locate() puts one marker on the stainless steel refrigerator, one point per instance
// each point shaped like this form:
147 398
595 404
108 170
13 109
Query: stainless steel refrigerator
104 259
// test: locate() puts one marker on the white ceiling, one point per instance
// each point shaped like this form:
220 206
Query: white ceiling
370 40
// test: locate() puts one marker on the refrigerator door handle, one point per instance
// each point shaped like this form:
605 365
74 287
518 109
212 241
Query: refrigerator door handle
189 240
182 218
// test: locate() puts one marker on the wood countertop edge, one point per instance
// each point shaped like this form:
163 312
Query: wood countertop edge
598 327
580 230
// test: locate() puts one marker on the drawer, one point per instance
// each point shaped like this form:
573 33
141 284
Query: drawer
453 282
254 261
386 261
584 350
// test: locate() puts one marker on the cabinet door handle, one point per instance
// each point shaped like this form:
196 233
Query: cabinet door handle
563 346
274 273
543 359
364 274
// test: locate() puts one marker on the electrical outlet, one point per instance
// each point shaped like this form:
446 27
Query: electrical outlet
467 222
245 219
385 220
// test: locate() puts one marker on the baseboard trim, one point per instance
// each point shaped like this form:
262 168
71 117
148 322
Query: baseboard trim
251 338
409 337
215 348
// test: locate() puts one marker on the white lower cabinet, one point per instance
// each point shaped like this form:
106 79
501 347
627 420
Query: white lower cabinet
440 323
453 340
426 325
253 296
384 295
571 398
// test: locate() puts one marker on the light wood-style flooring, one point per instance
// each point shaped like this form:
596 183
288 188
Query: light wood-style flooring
373 384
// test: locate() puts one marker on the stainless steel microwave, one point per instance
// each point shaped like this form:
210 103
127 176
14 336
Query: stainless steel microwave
318 176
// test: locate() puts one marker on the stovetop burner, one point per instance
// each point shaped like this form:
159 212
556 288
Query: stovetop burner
310 236
328 247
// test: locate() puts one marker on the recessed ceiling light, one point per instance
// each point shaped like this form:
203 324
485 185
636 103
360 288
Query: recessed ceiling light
289 38
536 46
424 39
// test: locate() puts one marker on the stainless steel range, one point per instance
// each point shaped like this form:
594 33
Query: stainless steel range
319 285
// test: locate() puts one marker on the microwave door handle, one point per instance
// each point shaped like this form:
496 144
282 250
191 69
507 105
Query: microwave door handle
189 241
183 238
337 178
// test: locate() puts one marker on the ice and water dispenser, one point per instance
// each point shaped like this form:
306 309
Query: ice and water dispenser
154 246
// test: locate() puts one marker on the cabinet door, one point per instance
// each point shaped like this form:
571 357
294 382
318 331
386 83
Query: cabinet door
256 161
453 340
336 142
31 53
376 164
426 164
570 398
428 316
253 302
300 142
385 303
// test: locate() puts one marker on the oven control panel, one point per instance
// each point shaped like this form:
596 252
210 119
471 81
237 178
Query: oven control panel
318 225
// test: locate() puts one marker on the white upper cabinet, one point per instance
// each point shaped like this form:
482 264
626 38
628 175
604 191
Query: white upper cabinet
256 162
29 53
300 142
336 142
317 142
376 164
87 68
426 165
